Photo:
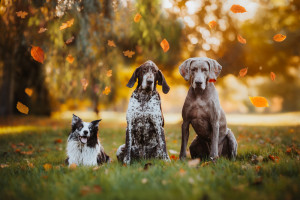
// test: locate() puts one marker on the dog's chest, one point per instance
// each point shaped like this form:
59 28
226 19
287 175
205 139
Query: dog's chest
82 154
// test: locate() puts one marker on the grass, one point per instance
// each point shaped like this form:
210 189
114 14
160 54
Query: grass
24 177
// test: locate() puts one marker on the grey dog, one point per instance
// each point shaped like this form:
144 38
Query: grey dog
203 111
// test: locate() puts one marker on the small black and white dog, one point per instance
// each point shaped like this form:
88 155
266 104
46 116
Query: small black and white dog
83 146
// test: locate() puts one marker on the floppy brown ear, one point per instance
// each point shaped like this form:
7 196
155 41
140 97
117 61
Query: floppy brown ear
184 69
214 69
133 78
162 81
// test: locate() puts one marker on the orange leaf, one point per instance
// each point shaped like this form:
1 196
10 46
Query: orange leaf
70 40
273 76
4 165
58 141
28 91
109 73
106 90
30 165
128 53
288 150
111 43
212 80
42 30
137 17
237 9
37 53
68 24
165 45
279 37
212 24
243 72
22 108
173 157
22 14
84 83
70 58
257 168
26 152
73 166
182 171
259 101
274 158
13 146
241 39
47 166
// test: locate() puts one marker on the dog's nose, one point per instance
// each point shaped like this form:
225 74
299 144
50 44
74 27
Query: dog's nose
198 83
149 82
85 132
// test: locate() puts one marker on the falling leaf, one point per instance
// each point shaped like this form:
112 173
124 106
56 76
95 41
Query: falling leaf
22 14
237 9
28 91
109 73
22 108
4 165
73 166
212 24
241 39
243 72
144 180
194 162
137 17
279 37
26 152
37 53
173 157
274 158
68 24
47 166
259 101
58 141
70 40
84 83
128 53
70 58
212 80
111 43
165 45
42 30
106 91
273 76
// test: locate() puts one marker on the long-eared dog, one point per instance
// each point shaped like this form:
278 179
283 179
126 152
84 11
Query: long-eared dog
203 111
145 133
83 147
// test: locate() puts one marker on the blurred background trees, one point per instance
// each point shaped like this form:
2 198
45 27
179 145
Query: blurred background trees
86 83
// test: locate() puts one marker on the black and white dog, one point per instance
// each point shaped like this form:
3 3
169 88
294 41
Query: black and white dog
145 133
83 146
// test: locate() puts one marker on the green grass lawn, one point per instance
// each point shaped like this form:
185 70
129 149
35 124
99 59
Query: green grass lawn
23 176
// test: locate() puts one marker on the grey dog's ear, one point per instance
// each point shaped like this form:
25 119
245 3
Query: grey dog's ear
184 68
162 81
214 69
133 78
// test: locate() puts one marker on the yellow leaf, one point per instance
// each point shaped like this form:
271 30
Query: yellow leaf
22 108
165 45
279 37
137 17
106 91
28 91
22 14
259 101
68 24
109 73
70 58
111 43
128 53
47 166
212 24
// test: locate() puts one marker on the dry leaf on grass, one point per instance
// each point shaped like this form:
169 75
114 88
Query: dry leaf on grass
47 166
73 166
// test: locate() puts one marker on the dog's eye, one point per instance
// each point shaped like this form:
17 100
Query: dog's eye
194 69
204 70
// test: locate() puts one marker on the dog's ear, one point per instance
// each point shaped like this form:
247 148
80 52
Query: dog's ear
75 120
214 69
184 68
133 78
162 81
96 123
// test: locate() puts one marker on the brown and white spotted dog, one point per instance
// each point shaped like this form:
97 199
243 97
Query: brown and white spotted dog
145 136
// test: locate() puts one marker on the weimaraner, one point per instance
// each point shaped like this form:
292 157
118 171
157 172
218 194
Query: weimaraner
202 109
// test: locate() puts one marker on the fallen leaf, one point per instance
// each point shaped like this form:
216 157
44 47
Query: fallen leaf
257 168
70 40
194 162
165 45
212 24
22 108
182 172
128 53
30 165
241 39
85 190
97 189
70 58
137 17
279 37
243 72
84 83
288 150
144 180
111 43
22 14
26 152
274 158
58 141
205 164
13 146
273 76
173 157
28 91
67 24
237 9
96 168
4 165
37 54
259 101
73 166
42 30
21 144
109 73
18 150
106 91
47 166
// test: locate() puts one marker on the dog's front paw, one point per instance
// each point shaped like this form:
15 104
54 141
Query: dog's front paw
213 158
166 157
126 160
